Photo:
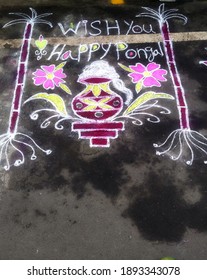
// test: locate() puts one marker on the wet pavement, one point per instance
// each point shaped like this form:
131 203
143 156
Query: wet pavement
85 105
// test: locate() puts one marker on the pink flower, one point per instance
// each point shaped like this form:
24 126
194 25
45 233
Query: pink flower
49 77
150 75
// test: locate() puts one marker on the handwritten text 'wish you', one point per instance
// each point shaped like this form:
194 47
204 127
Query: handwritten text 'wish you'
84 28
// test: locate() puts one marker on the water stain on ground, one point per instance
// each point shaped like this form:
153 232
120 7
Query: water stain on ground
161 213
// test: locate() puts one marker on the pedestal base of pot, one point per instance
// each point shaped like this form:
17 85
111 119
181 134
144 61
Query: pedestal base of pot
99 133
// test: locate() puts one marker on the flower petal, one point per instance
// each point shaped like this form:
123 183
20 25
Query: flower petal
152 66
39 80
158 74
140 68
58 81
49 69
49 84
59 74
136 77
39 72
150 82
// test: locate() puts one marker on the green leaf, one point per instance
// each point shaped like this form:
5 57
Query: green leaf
125 67
61 65
65 88
54 99
41 44
138 87
145 97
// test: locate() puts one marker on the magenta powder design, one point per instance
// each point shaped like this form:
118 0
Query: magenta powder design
14 140
150 76
99 112
183 142
98 109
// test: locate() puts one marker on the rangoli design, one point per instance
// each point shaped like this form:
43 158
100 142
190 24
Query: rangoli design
11 140
51 76
106 105
41 44
183 141
204 62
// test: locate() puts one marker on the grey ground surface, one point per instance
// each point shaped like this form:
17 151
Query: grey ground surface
122 202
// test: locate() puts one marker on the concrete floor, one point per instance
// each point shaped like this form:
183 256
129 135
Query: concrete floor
122 202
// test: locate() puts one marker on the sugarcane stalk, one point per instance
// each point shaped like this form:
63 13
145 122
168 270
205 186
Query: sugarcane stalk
20 79
182 142
179 90
12 140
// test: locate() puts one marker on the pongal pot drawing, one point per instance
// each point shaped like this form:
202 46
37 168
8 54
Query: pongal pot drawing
97 105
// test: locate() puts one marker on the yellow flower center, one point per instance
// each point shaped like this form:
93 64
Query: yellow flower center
147 74
50 76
